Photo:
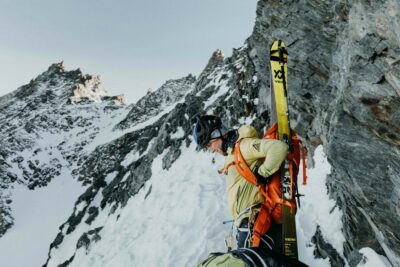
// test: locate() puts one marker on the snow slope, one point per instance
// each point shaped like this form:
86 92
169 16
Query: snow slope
38 214
176 224
175 220
180 222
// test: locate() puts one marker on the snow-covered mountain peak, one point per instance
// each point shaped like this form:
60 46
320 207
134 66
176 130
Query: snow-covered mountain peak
57 86
58 67
160 101
43 134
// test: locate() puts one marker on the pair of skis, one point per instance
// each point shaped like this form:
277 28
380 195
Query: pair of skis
279 99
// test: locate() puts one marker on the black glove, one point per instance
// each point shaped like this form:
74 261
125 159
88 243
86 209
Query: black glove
260 179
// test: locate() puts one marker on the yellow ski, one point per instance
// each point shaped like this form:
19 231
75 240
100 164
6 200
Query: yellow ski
278 59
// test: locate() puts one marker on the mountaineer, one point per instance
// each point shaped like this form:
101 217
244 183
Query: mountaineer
257 217
264 157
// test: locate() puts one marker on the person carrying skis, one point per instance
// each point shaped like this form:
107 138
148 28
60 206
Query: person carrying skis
264 157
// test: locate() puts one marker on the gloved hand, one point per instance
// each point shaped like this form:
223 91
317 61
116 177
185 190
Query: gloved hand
260 179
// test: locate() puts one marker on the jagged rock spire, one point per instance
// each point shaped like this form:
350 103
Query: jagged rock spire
216 58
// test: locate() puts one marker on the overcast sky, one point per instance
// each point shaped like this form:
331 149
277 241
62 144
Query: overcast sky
134 45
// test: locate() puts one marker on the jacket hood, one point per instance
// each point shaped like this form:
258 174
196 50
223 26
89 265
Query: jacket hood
246 131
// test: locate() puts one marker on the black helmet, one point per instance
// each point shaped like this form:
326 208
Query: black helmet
207 128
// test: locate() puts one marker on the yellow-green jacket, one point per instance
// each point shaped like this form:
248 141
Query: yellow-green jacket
267 154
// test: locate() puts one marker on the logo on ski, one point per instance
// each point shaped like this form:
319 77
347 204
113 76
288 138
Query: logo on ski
286 186
278 74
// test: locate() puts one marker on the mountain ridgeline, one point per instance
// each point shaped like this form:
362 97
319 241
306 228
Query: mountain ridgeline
45 126
344 80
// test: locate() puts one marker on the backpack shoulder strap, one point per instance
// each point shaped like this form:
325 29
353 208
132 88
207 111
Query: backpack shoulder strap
241 165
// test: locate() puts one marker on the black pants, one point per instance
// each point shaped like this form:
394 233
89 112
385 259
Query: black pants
272 240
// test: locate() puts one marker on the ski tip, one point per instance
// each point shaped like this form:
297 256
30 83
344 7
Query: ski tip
277 47
276 44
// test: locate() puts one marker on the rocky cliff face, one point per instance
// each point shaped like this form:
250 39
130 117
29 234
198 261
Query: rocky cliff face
345 94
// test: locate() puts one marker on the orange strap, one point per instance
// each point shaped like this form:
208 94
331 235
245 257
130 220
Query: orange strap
226 168
263 221
277 200
261 225
241 165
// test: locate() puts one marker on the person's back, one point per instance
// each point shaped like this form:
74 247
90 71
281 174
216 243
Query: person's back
242 195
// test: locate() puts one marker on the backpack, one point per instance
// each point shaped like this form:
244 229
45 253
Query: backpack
263 220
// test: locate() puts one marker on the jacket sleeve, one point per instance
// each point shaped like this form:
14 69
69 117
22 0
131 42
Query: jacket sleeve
274 151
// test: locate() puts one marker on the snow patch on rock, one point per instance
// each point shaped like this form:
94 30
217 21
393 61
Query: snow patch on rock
317 209
180 133
372 259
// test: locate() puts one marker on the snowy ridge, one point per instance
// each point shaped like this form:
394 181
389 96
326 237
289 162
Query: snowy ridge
40 120
116 187
43 140
218 84
155 102
43 136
